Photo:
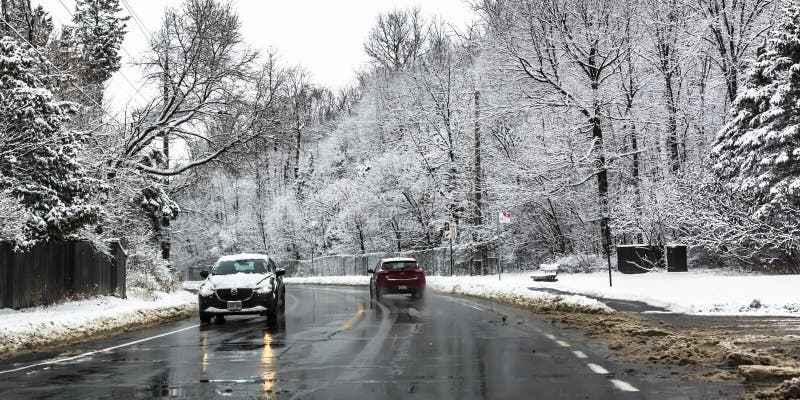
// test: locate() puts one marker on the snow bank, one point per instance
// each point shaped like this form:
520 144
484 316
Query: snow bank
703 292
41 327
488 287
514 292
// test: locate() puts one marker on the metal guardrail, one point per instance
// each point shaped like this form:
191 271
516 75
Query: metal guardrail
434 261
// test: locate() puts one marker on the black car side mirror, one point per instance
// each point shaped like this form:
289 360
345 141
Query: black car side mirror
204 274
370 271
280 272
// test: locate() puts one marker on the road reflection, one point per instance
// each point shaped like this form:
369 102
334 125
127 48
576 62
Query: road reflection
226 346
204 347
267 357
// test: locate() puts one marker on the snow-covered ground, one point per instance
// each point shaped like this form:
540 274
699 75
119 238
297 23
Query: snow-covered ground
39 327
698 292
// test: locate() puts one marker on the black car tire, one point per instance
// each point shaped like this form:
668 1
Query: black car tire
205 317
219 319
282 307
272 311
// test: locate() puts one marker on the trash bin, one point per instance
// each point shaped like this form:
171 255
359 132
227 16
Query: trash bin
677 258
639 258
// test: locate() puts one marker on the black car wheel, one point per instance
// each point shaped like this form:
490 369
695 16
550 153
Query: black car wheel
205 317
272 311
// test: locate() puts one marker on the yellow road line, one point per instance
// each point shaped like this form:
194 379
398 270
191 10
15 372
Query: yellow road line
354 319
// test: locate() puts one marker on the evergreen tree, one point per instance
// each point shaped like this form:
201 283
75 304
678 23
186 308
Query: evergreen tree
758 151
19 19
39 162
98 33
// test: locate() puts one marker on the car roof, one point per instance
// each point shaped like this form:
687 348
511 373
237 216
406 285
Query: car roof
397 259
244 256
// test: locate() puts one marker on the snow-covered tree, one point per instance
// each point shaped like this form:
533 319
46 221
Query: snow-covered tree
39 164
23 22
759 149
97 33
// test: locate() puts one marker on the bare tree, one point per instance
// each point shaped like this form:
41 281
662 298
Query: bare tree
397 38
667 19
735 27
199 62
570 51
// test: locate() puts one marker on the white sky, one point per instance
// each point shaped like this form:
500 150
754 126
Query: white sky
323 36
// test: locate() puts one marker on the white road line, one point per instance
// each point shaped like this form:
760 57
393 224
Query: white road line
549 336
597 369
624 386
60 360
562 343
579 354
464 303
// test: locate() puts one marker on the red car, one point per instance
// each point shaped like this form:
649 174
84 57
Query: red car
397 275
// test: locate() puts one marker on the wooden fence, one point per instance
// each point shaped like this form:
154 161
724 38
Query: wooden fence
56 271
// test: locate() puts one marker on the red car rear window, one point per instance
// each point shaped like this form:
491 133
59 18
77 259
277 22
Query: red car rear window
399 265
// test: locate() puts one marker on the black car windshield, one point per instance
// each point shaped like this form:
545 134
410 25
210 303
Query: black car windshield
399 265
240 266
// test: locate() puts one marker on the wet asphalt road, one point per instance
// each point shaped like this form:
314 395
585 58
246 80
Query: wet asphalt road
334 343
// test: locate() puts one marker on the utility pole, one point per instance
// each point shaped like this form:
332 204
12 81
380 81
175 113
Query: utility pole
451 231
451 256
166 239
477 184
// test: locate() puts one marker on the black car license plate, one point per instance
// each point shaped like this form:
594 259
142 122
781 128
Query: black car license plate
234 305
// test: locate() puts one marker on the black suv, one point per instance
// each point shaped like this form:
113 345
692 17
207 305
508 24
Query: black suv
242 284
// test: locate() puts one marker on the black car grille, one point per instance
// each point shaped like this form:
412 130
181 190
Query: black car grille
241 294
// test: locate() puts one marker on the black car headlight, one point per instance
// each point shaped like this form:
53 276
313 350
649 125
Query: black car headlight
266 287
206 289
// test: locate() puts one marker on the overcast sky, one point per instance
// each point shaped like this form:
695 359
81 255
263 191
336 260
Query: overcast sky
324 36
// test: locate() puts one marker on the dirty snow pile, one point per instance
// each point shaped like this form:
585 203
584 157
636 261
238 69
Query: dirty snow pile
488 287
38 327
703 292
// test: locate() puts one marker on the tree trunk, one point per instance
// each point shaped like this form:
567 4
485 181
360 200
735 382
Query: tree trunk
298 138
397 234
672 124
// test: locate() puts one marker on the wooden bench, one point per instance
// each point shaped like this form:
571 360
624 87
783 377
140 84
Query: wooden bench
546 273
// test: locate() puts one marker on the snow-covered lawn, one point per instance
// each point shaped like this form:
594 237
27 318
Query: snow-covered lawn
41 327
698 292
